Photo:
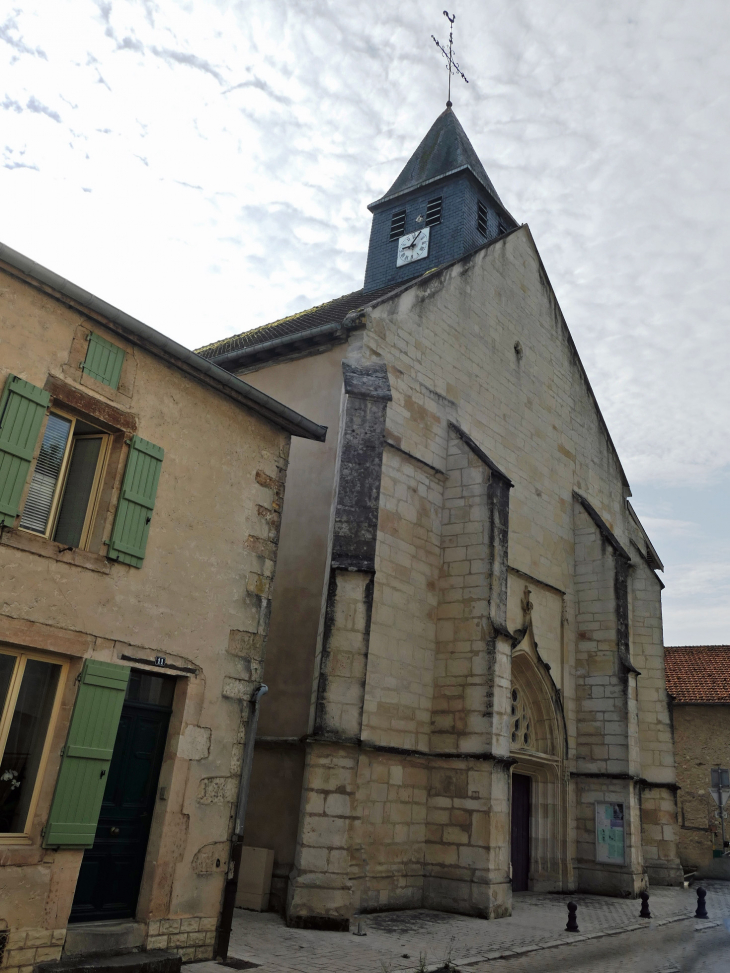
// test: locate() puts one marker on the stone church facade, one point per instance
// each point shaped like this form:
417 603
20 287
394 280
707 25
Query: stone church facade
465 659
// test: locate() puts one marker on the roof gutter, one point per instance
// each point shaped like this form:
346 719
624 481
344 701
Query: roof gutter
178 354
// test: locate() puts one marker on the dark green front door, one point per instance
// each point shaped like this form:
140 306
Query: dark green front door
111 871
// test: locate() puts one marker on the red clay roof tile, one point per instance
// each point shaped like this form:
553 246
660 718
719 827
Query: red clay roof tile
698 673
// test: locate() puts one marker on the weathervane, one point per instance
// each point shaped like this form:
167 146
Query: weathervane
452 65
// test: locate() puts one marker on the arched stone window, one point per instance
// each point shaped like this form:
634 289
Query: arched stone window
533 723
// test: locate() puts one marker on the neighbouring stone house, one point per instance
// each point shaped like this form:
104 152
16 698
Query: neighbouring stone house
698 682
140 498
466 659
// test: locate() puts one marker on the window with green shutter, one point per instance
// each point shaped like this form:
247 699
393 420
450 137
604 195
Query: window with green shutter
22 409
103 360
86 757
128 541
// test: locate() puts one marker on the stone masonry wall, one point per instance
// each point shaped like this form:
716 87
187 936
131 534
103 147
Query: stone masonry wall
660 835
26 947
467 838
472 681
483 344
388 842
192 938
397 709
701 735
205 610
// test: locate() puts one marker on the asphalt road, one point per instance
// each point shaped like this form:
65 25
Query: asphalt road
674 948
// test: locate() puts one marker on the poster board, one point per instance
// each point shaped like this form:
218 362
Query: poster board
610 843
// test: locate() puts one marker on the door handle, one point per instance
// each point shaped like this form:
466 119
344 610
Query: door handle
114 832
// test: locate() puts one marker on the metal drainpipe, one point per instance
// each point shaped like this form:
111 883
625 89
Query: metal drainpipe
234 865
720 808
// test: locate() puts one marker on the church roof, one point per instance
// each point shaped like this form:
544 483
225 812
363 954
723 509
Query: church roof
698 673
322 316
444 151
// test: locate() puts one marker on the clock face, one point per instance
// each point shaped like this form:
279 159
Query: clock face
413 246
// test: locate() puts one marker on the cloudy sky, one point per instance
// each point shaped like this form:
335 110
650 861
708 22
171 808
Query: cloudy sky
205 165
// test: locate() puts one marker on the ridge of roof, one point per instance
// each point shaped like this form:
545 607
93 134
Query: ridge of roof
444 150
684 648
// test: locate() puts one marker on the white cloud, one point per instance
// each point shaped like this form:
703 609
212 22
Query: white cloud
665 527
207 166
698 603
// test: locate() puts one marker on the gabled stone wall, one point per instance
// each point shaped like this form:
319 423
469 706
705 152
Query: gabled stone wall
487 389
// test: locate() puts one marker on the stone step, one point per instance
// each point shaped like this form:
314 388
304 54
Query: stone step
153 961
104 938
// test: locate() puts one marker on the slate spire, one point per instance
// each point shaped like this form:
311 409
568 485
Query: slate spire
441 207
446 149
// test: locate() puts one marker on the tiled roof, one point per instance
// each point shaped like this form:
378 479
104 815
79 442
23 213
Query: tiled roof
332 312
698 673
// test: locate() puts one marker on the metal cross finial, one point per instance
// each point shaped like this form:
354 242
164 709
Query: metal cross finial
452 65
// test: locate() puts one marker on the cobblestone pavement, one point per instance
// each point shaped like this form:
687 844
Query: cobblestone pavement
533 938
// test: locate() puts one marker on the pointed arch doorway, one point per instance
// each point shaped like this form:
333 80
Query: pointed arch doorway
539 790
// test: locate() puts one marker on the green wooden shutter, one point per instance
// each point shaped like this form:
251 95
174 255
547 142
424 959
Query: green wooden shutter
136 502
22 408
103 360
86 757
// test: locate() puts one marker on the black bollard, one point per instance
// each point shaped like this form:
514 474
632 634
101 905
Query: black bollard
572 918
701 910
644 914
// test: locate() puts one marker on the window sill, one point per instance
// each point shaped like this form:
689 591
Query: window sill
23 540
15 839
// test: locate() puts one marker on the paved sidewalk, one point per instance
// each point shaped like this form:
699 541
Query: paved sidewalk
396 940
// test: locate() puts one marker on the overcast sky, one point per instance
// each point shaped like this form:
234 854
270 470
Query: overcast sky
206 166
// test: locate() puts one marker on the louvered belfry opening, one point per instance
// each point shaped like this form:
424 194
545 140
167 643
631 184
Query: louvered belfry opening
397 224
482 224
433 211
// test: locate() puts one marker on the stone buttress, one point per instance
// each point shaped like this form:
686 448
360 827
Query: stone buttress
320 891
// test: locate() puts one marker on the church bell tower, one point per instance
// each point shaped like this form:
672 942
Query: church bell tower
441 206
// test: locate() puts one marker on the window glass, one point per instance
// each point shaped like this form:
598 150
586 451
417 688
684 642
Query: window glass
46 474
7 665
26 739
146 687
77 492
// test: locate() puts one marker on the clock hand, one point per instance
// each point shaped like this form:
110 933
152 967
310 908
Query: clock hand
412 245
